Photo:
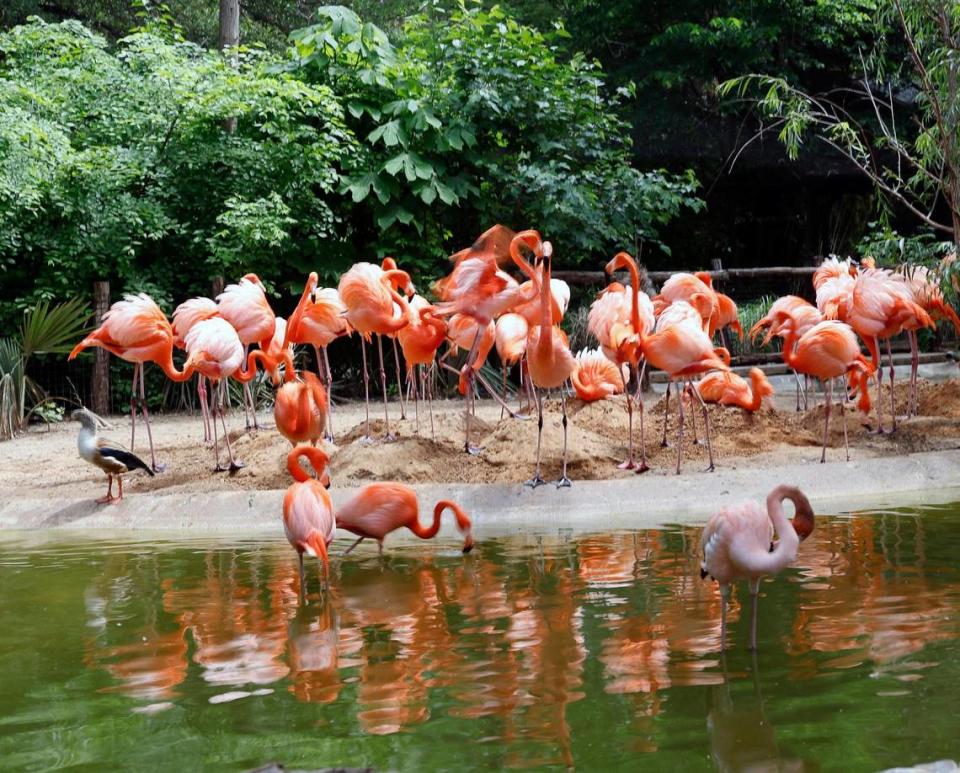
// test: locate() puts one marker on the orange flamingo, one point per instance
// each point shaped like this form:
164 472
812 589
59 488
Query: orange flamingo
419 341
374 307
244 305
380 508
882 306
318 320
682 349
738 543
510 339
803 314
596 377
695 289
726 315
389 264
135 330
308 519
619 335
827 351
185 316
727 388
479 289
550 363
300 409
465 332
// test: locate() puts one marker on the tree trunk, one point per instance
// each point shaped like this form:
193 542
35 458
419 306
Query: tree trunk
229 40
100 381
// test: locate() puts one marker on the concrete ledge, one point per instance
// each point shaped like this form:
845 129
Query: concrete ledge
589 506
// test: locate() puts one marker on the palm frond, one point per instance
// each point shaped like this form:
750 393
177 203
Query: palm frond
53 329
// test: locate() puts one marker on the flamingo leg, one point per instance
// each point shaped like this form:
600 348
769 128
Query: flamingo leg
109 496
724 601
874 346
388 436
666 413
706 424
536 480
396 361
216 439
133 405
843 418
366 388
354 544
755 597
303 576
503 368
914 408
693 413
679 426
629 463
826 418
204 407
893 407
427 379
564 481
326 367
234 463
412 382
797 378
643 441
468 393
146 420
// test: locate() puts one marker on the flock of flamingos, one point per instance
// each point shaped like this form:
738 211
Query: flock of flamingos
480 307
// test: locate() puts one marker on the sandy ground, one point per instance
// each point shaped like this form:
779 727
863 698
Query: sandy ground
45 464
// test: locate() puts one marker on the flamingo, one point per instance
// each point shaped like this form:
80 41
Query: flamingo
695 289
727 388
828 350
478 288
465 332
135 330
214 349
596 377
185 316
374 307
389 264
419 341
318 320
559 301
244 305
738 543
883 306
308 519
926 294
726 315
803 314
549 363
617 325
510 339
682 349
380 508
300 409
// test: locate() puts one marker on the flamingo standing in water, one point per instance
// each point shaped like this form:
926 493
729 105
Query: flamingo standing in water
308 519
380 508
738 543
374 307
135 330
318 320
550 363
827 351
244 305
420 341
300 409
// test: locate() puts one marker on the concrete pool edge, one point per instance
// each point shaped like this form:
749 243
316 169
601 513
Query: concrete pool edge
623 503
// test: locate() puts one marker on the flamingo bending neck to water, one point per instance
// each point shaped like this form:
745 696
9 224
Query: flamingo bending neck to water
308 519
738 543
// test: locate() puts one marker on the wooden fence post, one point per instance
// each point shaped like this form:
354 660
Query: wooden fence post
100 381
216 285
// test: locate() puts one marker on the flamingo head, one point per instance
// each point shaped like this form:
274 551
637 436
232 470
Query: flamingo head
620 260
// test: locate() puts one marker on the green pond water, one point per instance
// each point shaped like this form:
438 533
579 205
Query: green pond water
599 651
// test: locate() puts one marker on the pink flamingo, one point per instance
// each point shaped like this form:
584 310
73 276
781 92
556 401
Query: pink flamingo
308 519
510 339
244 305
135 330
185 316
420 341
380 508
738 543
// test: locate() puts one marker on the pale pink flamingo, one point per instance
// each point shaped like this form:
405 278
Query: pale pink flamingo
244 305
185 316
135 330
308 519
510 340
747 542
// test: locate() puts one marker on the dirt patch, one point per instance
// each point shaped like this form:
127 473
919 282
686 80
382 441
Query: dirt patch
46 463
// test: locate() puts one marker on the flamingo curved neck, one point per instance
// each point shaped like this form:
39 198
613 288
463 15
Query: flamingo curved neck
166 364
318 460
525 237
